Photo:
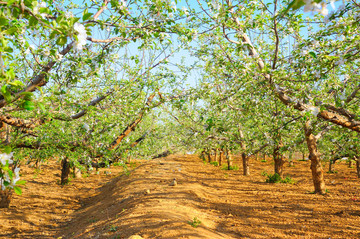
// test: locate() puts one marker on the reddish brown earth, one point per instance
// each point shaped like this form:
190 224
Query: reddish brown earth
228 204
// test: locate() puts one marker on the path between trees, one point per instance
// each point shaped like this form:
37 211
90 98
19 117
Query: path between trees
225 204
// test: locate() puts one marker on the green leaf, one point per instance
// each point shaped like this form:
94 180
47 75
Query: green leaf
41 106
313 54
18 190
6 93
11 31
33 21
86 16
20 182
28 105
61 40
17 83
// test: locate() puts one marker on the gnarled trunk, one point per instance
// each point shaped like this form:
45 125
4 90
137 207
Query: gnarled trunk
278 160
314 156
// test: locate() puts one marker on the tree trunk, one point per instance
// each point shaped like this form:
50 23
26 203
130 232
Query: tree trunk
77 172
209 155
5 198
314 156
65 170
228 158
331 166
291 162
246 168
357 166
216 155
202 155
245 159
350 163
278 160
264 157
221 154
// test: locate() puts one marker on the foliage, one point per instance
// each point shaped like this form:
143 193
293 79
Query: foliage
275 178
195 222
232 167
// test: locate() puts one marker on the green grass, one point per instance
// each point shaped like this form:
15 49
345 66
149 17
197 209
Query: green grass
214 163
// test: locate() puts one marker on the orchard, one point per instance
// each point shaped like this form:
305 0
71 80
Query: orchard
87 85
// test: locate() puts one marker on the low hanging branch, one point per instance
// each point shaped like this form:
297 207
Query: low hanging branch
132 125
18 122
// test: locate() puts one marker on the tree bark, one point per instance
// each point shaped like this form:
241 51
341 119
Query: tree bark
358 166
246 168
245 159
209 155
216 155
291 162
331 166
221 155
228 158
5 198
65 171
278 160
314 156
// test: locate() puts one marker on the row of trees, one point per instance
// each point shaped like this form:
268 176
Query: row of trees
91 82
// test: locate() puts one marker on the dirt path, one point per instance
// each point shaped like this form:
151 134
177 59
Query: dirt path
227 204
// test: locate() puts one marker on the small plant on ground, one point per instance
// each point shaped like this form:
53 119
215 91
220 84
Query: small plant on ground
214 163
275 178
225 167
113 228
332 172
195 222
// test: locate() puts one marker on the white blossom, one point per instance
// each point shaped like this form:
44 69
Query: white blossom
37 8
59 57
173 5
69 14
332 4
6 158
86 126
313 110
340 62
81 37
185 10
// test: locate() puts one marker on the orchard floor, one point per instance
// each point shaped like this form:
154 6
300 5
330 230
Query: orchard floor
227 204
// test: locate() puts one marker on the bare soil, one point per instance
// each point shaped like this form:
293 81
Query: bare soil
224 203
